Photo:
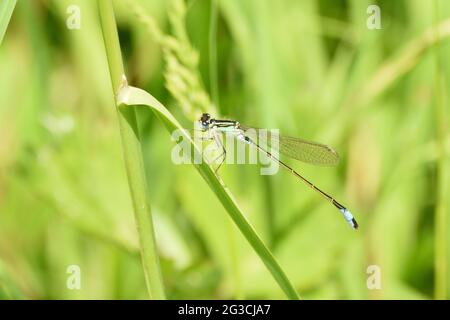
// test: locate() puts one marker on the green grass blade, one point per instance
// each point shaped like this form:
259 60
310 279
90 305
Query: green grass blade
132 96
131 144
441 215
6 10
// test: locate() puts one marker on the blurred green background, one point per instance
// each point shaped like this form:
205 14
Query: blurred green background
311 68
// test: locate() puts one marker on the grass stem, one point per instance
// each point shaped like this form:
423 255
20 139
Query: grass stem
6 10
131 144
441 238
131 96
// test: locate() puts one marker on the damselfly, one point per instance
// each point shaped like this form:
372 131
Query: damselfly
299 149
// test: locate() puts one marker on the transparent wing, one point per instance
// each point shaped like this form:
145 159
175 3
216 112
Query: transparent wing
299 149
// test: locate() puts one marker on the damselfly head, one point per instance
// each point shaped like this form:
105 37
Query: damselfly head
205 121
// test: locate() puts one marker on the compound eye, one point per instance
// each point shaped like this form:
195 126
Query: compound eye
205 118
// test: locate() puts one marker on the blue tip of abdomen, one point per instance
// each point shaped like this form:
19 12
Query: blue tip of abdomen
349 218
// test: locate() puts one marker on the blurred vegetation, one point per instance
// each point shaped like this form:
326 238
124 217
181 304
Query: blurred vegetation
311 68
